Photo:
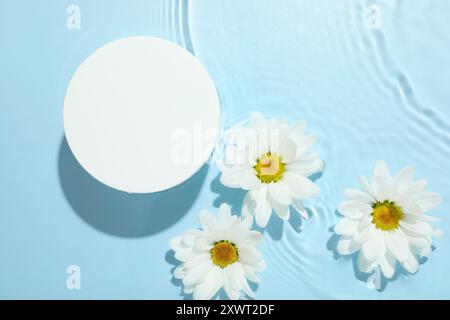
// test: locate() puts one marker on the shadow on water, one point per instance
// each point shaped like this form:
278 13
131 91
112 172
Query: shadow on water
119 213
232 196
170 258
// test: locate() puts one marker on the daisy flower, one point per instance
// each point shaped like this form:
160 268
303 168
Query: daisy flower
386 222
270 160
222 254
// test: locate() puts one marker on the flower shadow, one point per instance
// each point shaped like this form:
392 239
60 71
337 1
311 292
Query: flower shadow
276 226
316 176
232 196
170 258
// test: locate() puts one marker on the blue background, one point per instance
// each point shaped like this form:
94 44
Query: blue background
368 94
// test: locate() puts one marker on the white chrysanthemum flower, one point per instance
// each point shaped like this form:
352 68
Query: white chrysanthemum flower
386 221
270 160
222 254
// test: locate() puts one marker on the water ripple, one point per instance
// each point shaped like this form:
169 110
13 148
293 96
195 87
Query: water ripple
320 62
179 16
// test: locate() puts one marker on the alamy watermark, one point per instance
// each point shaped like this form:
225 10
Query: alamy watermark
73 21
237 145
73 281
373 17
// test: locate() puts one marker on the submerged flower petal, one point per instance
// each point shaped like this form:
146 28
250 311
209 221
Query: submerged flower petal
222 254
385 221
210 285
278 166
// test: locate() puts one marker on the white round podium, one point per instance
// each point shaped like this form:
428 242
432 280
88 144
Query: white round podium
141 115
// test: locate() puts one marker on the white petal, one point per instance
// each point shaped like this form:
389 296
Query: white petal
354 209
281 210
197 259
189 237
247 222
175 243
279 193
260 265
365 222
298 128
419 242
366 187
346 226
248 291
232 176
358 195
288 150
188 289
250 274
184 254
248 254
263 209
305 142
425 252
411 264
257 120
380 172
363 264
233 155
438 232
298 206
300 186
179 273
230 154
418 227
374 247
276 122
416 187
210 285
236 276
306 165
231 293
249 180
201 244
397 245
346 246
409 207
263 141
421 217
251 149
388 264
403 179
196 274
248 205
224 211
428 200
207 220
386 189
361 235
254 238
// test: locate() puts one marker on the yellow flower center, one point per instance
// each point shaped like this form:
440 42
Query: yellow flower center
224 253
269 168
386 215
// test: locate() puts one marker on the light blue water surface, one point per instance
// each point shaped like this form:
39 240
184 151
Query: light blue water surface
368 93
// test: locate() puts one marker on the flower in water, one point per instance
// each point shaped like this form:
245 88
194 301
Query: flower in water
270 160
386 222
222 254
